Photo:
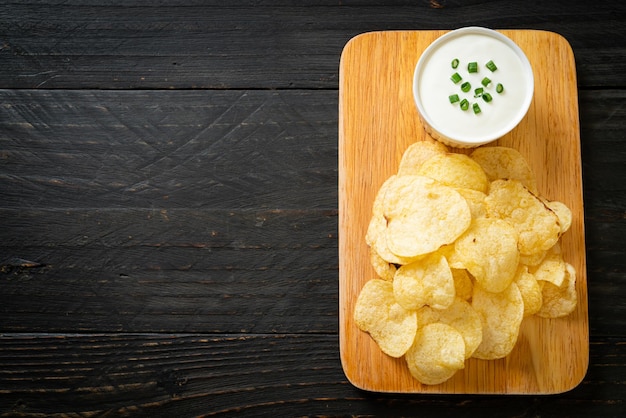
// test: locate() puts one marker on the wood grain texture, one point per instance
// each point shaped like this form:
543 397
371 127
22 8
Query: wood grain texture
189 44
168 271
59 375
378 121
168 149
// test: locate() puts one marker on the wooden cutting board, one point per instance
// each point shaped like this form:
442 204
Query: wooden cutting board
377 122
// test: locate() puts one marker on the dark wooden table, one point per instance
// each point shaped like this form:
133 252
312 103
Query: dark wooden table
168 205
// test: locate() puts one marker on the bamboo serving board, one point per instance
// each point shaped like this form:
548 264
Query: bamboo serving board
377 122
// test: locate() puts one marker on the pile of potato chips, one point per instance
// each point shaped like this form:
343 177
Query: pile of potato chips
464 248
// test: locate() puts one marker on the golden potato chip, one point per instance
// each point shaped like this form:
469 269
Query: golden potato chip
382 249
426 315
389 324
552 267
501 315
561 300
455 170
537 225
378 223
463 285
562 212
375 228
437 353
453 259
401 192
436 216
462 317
488 250
384 269
427 281
531 260
530 290
475 200
416 154
505 163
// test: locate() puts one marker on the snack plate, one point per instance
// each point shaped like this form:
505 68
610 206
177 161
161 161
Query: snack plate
378 120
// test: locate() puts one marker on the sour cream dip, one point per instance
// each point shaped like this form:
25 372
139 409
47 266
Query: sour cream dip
491 111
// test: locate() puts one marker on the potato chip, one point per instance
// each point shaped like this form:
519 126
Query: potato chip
463 284
501 315
537 225
488 250
426 315
436 216
505 163
475 200
455 170
382 249
378 223
562 212
530 290
416 154
389 324
453 259
402 192
375 228
561 300
531 260
461 316
437 353
384 269
552 267
427 281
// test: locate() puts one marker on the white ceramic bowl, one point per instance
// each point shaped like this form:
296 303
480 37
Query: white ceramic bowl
432 86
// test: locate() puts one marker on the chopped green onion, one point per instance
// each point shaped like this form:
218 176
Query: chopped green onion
466 86
476 108
455 63
485 81
491 66
464 104
478 92
487 97
456 78
453 98
499 88
472 67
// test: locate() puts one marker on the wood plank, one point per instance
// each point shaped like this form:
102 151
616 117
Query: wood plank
189 44
122 229
604 180
168 149
168 271
378 121
164 375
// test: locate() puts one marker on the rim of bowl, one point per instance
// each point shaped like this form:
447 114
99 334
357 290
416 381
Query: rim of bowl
527 70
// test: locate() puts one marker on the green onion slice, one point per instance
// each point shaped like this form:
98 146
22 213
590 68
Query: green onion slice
487 97
499 88
453 98
491 66
455 63
464 104
472 67
485 81
476 108
466 86
478 92
455 78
